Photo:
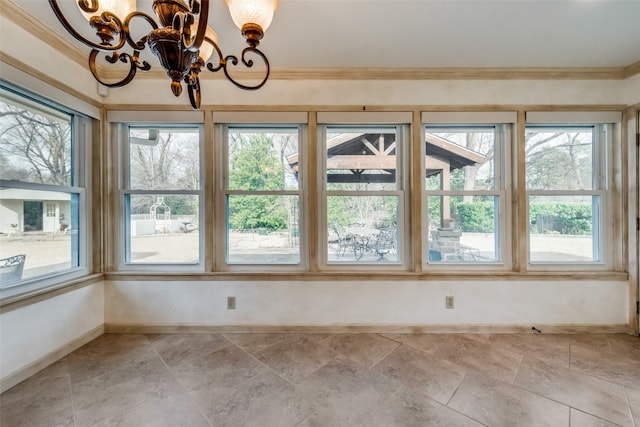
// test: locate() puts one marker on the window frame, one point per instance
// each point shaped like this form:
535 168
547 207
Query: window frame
80 181
222 256
125 192
504 136
602 167
223 121
363 120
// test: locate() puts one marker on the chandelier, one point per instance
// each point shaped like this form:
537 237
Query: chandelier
181 40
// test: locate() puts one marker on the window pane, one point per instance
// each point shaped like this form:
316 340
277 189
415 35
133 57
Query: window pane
263 229
361 159
35 142
43 226
460 159
559 159
362 229
164 159
263 159
463 228
562 228
163 229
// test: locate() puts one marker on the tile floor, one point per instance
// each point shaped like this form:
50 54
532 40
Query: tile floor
336 380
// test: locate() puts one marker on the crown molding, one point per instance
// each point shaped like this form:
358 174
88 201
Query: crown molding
20 17
632 70
38 74
597 73
450 73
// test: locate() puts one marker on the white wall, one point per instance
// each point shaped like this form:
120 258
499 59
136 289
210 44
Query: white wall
34 334
488 304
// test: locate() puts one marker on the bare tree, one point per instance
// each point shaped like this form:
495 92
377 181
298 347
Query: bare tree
35 147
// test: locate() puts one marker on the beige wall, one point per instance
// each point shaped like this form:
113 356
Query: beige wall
36 334
487 305
632 90
383 93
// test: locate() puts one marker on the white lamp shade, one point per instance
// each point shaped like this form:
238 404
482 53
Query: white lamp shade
206 49
120 8
252 12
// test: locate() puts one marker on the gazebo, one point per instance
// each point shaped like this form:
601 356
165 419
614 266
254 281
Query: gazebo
371 158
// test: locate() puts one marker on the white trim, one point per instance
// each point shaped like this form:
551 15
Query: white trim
468 117
259 117
364 118
573 117
157 117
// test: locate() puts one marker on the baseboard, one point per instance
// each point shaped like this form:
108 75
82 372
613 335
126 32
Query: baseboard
370 329
33 368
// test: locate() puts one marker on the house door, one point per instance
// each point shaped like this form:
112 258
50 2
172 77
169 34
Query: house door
32 216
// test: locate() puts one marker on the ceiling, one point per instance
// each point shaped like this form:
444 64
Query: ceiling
428 33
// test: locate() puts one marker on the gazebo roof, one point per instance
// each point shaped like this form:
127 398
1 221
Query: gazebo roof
374 154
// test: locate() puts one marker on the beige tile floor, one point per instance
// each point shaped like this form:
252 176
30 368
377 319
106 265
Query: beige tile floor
336 380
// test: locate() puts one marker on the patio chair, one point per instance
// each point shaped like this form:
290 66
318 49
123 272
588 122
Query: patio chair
385 243
11 269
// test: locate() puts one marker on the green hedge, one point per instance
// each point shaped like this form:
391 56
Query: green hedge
545 218
561 218
474 217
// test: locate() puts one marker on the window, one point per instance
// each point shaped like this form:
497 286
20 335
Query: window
162 195
42 192
262 191
364 194
465 193
566 183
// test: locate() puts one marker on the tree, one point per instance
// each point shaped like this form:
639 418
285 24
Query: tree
559 161
168 162
255 164
34 147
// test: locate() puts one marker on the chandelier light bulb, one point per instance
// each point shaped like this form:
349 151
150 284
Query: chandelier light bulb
120 8
258 12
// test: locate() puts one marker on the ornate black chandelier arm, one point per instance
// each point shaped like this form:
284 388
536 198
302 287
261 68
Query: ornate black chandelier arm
142 43
134 65
193 89
107 17
223 63
202 10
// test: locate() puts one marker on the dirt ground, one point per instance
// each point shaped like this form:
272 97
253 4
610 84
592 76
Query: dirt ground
46 252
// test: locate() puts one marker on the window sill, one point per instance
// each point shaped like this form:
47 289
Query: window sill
369 276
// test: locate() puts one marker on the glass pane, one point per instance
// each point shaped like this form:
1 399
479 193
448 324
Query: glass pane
362 229
460 159
361 159
463 228
263 159
35 142
562 228
42 226
559 159
263 229
164 159
163 229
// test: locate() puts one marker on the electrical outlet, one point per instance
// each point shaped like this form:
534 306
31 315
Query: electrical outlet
448 302
231 303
